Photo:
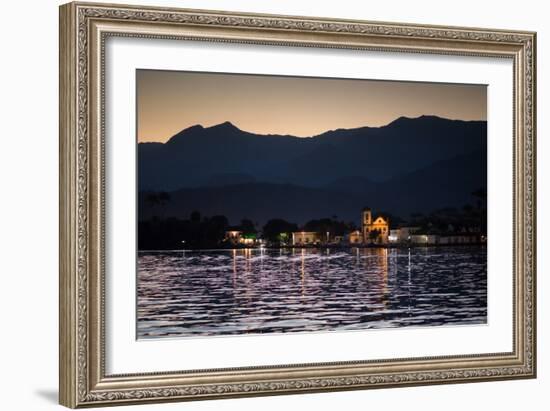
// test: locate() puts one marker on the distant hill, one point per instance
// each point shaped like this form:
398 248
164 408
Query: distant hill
225 155
447 183
258 202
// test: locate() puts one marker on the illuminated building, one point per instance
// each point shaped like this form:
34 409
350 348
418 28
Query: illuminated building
355 237
305 238
402 234
370 224
234 237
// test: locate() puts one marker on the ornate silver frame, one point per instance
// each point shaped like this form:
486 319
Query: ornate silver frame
83 30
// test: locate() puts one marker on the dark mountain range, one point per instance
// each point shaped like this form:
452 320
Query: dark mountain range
446 183
225 155
258 202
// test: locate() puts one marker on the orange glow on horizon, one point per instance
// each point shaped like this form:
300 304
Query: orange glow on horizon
170 101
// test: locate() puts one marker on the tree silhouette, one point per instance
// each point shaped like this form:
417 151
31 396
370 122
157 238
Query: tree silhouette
195 217
163 197
481 195
152 199
374 235
277 226
247 227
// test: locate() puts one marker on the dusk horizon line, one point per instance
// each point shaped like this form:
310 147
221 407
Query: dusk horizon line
229 123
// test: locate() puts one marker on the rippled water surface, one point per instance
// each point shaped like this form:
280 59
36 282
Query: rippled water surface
221 292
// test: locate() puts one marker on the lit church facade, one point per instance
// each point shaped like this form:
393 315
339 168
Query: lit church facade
371 225
374 230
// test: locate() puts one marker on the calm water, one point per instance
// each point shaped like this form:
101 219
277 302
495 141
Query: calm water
221 292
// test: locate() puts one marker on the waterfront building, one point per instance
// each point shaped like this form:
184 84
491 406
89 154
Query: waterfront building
234 237
402 234
237 237
249 239
393 238
356 237
447 239
306 238
461 239
424 239
370 224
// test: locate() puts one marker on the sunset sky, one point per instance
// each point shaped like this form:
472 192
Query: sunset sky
169 101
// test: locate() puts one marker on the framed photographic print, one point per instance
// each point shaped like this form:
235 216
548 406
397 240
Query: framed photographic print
258 204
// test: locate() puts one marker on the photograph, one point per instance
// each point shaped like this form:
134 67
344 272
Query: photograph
284 204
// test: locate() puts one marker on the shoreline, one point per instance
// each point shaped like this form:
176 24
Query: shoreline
324 247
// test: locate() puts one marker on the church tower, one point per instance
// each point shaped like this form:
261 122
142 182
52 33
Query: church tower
367 216
380 226
366 224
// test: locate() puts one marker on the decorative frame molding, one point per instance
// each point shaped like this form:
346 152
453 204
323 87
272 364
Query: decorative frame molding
83 30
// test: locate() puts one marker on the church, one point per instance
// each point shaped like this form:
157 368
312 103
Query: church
374 230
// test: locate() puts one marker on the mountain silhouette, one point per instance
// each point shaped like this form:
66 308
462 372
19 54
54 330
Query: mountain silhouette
197 156
448 183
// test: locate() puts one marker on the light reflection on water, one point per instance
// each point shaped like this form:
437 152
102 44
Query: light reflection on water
252 291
